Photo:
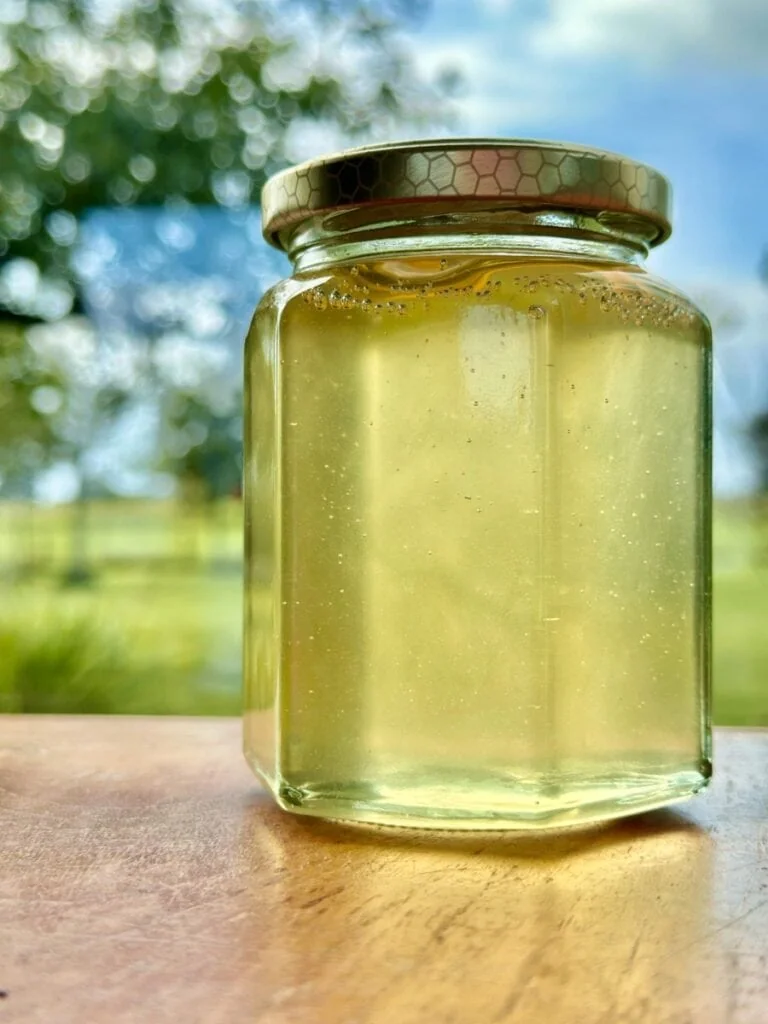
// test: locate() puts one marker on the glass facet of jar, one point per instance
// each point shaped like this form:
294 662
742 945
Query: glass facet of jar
477 497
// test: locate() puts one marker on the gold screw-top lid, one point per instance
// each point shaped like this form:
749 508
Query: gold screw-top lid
517 172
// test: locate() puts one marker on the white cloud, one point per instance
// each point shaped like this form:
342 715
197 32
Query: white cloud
521 68
657 32
497 92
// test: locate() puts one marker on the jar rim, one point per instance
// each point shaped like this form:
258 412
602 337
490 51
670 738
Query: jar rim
517 173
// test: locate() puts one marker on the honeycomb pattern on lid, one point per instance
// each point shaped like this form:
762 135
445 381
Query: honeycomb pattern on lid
520 172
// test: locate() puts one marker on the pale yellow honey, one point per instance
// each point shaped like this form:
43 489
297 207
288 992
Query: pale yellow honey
477 495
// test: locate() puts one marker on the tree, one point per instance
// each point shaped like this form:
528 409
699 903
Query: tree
175 102
758 428
758 434
88 396
28 392
166 100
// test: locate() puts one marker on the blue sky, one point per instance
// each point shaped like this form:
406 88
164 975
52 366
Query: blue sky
682 85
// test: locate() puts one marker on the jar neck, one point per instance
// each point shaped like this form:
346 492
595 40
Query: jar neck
325 240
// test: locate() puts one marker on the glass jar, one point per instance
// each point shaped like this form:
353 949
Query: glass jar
477 492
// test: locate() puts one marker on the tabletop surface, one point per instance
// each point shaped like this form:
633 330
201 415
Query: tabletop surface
145 876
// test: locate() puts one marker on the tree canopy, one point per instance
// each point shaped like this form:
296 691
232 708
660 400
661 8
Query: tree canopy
150 101
177 103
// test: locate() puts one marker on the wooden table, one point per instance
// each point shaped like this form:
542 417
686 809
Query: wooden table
145 876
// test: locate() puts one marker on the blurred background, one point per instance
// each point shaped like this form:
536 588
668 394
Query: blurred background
135 136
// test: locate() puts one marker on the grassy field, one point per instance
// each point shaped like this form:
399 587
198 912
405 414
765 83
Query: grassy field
157 627
155 630
740 641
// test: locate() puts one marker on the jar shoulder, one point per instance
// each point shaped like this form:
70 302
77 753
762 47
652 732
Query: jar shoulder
275 299
428 284
265 323
663 287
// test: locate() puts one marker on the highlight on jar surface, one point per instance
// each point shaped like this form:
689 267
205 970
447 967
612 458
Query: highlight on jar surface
477 493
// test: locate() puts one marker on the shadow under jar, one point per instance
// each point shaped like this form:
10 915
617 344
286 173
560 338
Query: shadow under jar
477 492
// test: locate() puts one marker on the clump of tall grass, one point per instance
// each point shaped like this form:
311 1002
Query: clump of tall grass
65 665
77 664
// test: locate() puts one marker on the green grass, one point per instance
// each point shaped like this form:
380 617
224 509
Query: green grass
157 629
740 641
167 642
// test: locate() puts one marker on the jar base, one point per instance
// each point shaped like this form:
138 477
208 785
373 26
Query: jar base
501 806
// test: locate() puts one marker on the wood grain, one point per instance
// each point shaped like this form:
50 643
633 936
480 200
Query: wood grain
145 877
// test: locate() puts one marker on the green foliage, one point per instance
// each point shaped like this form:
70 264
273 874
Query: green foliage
156 630
741 649
758 436
56 397
757 430
157 100
68 666
26 433
209 464
740 642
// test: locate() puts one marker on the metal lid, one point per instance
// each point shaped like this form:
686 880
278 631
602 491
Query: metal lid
519 172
